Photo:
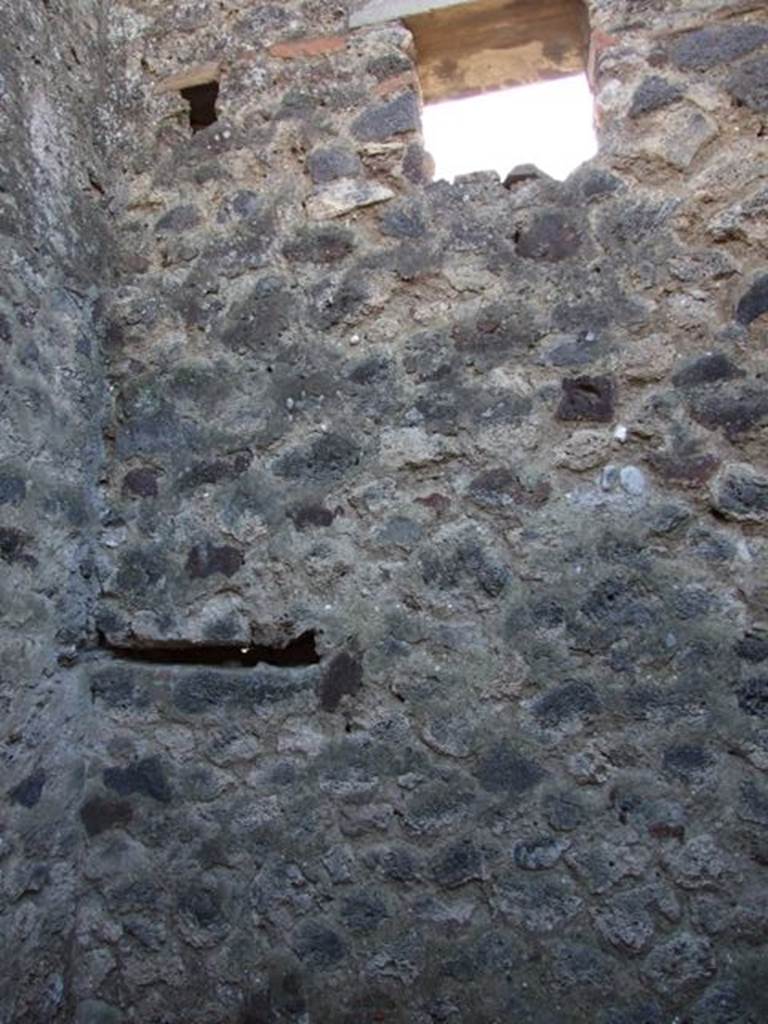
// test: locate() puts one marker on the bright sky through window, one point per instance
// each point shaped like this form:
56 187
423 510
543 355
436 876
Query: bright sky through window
548 124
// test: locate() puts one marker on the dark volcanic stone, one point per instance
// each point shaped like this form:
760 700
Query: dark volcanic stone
438 807
652 94
13 489
393 118
494 334
12 545
503 488
326 244
741 493
259 321
753 696
99 814
145 776
363 912
719 44
208 560
327 458
306 517
374 369
397 864
180 218
504 770
140 569
564 811
403 220
637 1013
551 237
752 648
319 946
686 468
749 84
457 864
595 182
706 369
389 66
243 205
141 483
203 474
680 966
417 164
687 762
754 302
340 302
118 688
721 1004
29 790
735 411
333 162
344 676
580 966
203 905
445 569
564 703
587 398
617 602
203 692
753 803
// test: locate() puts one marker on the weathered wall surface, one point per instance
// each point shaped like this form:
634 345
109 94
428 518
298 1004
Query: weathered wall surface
51 252
502 450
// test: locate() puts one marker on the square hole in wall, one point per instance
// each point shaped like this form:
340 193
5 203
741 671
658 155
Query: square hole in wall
202 104
504 83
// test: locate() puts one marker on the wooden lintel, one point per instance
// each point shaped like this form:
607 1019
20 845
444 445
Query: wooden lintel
472 48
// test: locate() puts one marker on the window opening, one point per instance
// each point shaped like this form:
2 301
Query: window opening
549 124
202 104
505 84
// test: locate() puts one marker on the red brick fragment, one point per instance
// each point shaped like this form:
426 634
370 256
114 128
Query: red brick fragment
405 81
307 47
598 43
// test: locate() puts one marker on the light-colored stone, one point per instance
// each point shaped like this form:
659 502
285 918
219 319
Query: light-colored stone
200 74
648 359
411 447
633 481
376 11
584 449
345 195
684 135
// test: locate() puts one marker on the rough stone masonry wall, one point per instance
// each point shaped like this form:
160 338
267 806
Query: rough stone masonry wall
502 450
52 233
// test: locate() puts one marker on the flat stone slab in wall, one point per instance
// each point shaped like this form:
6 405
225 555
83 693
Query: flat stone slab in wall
376 11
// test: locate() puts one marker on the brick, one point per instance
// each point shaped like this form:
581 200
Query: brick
599 42
394 84
317 47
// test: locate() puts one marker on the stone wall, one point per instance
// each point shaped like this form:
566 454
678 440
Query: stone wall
427 678
52 245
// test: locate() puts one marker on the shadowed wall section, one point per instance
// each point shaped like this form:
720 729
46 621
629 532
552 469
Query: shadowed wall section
53 255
